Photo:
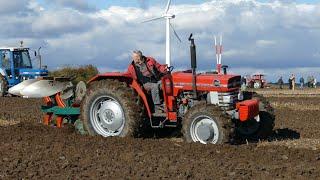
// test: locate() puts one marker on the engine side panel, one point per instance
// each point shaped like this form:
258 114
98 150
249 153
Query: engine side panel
182 81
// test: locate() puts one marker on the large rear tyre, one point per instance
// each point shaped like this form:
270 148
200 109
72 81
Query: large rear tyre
3 86
262 127
207 124
111 108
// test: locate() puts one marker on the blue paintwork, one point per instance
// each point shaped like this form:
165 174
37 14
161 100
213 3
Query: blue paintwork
16 72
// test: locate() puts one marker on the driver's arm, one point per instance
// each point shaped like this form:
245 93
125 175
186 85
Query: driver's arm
162 68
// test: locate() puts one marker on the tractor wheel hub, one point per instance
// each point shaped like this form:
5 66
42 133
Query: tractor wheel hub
205 132
111 116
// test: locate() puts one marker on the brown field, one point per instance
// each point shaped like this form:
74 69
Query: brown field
29 150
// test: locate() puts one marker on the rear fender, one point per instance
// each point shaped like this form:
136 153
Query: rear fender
125 77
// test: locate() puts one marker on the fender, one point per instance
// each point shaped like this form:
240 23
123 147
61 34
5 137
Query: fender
125 77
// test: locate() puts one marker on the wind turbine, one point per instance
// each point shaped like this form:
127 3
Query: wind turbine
218 52
168 18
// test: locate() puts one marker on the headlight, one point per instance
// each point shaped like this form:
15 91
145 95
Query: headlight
227 99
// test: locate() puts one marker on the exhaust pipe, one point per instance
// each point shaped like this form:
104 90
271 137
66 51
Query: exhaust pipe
225 67
193 65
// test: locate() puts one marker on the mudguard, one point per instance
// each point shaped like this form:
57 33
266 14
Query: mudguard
125 77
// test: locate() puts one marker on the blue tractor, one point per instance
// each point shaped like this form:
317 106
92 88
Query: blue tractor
16 66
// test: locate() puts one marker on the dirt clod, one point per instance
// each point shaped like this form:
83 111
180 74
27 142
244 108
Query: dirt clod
29 150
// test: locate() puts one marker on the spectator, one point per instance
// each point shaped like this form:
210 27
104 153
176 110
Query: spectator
309 81
314 82
290 83
301 82
280 82
293 81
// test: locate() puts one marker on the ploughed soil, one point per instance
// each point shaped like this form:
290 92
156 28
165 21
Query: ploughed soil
31 150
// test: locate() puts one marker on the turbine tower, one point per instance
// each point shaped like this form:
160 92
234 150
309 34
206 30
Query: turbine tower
168 18
218 46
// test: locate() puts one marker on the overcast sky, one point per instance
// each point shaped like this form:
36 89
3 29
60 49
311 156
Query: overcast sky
272 37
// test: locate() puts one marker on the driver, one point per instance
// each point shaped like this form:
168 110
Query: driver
148 72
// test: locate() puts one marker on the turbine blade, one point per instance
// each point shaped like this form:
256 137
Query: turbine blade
175 33
167 7
153 19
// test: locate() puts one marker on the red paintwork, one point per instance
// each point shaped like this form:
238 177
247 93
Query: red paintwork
59 119
169 100
48 116
205 82
172 116
173 84
111 75
248 109
135 85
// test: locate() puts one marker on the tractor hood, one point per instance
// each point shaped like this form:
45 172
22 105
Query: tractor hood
33 72
222 82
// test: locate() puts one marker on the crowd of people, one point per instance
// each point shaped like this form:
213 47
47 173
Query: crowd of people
311 82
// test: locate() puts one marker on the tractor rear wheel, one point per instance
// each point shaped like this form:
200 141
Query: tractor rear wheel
111 108
262 127
3 86
207 124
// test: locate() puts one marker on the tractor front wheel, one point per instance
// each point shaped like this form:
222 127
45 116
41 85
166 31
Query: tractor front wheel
3 86
111 108
207 124
257 84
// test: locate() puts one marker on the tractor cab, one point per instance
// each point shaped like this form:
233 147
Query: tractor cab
16 66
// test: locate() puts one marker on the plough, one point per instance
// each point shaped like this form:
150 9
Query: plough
61 99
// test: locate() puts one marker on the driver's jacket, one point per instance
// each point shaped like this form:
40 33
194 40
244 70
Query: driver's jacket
152 74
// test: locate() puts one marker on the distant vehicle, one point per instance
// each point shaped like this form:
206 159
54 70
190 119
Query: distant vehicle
15 67
256 81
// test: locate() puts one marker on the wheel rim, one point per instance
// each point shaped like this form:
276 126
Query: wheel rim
249 127
205 130
256 85
107 116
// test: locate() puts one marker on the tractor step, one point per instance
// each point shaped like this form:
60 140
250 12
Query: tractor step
159 114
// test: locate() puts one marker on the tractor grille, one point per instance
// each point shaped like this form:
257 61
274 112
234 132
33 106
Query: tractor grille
228 100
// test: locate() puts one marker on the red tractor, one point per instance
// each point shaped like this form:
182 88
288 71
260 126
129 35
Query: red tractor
209 106
257 81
